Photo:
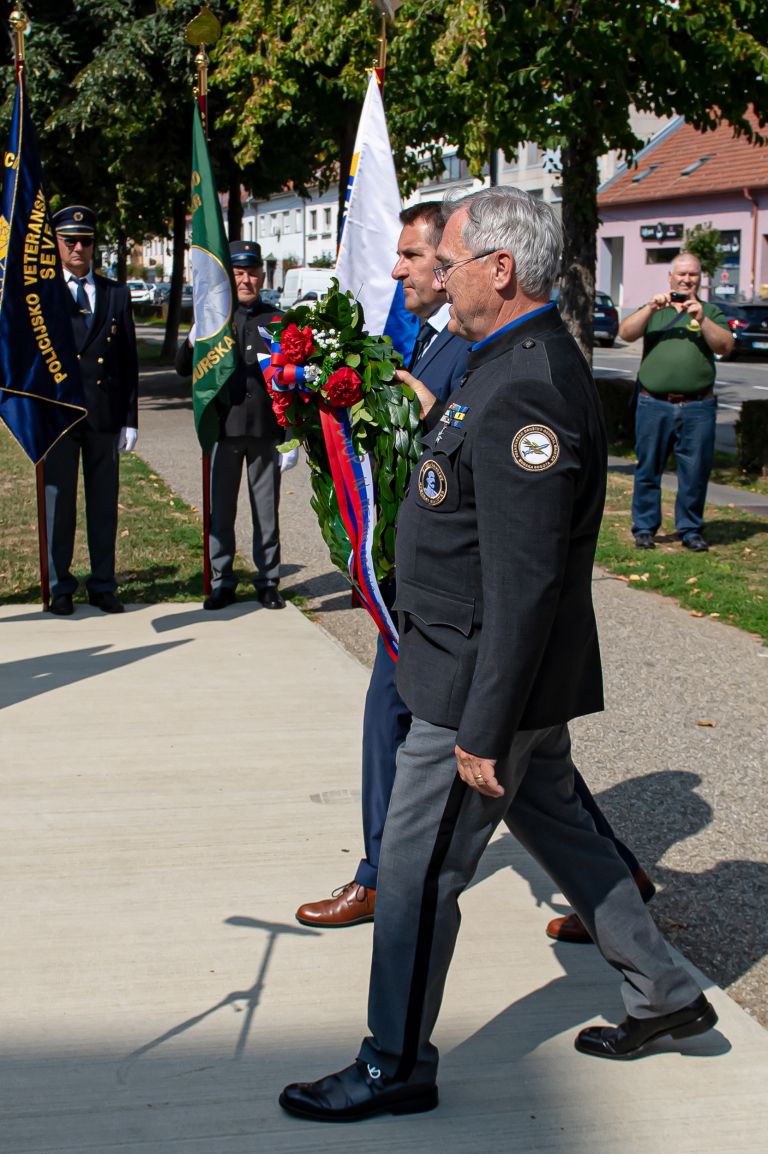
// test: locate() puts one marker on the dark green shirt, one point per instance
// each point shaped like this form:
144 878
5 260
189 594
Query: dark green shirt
676 358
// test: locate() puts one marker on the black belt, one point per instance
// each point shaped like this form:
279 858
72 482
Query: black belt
678 398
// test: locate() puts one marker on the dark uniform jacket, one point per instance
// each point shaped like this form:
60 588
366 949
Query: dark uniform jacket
109 366
251 413
496 541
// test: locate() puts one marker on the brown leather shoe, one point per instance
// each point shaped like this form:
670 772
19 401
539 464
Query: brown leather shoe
349 905
572 929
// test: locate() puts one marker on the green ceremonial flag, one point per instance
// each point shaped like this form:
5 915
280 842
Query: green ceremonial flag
215 353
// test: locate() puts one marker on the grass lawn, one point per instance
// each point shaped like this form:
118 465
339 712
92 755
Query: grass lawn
159 541
159 547
730 582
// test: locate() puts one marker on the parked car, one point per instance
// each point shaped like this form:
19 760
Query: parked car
141 292
301 281
162 291
605 322
271 297
748 321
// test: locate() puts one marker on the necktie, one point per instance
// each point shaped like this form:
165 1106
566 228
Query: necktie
426 332
82 299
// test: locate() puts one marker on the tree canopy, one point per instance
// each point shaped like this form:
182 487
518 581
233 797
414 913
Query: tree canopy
110 83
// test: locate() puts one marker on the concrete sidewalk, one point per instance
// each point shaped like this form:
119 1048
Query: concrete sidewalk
176 783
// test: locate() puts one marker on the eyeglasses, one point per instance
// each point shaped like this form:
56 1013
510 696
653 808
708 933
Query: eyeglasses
440 271
83 241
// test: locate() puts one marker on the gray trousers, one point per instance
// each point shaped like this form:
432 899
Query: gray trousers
227 460
101 482
435 833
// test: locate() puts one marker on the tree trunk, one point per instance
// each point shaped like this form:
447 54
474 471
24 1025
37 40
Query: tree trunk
171 339
122 255
346 144
235 209
577 291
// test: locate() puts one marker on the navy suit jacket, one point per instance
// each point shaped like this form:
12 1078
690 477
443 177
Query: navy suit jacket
443 364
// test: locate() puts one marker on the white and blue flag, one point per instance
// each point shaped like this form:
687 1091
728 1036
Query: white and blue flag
371 227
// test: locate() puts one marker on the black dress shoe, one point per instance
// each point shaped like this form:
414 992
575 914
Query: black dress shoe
271 597
630 1037
62 605
644 541
107 602
220 599
359 1091
696 543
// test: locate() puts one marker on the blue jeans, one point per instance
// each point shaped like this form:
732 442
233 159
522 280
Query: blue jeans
689 429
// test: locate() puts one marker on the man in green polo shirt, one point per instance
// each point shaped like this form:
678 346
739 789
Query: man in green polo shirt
676 406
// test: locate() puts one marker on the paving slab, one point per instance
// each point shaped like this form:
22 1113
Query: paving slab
175 784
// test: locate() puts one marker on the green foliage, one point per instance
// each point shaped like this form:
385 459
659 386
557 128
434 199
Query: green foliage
703 242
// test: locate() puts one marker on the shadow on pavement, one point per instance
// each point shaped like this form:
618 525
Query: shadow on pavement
33 676
716 918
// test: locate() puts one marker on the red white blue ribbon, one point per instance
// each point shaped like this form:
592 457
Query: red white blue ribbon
353 483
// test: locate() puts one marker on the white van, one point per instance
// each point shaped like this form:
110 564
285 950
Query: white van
299 282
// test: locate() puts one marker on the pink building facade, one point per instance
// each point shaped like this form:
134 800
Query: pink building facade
681 179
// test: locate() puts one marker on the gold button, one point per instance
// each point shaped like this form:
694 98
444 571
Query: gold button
99 360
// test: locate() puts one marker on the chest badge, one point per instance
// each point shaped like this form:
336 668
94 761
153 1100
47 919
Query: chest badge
535 448
433 486
454 415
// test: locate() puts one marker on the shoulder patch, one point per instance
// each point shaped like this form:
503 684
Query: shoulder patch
535 448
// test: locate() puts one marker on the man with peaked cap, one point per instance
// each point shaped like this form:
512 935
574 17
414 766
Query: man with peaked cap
105 339
249 433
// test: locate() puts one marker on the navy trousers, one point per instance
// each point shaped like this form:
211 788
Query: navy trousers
386 722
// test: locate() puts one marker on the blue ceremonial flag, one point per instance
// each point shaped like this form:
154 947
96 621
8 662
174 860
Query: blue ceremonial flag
40 391
371 227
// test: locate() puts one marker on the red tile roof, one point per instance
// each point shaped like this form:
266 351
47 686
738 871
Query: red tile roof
734 164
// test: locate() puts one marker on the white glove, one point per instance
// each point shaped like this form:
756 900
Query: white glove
126 442
288 460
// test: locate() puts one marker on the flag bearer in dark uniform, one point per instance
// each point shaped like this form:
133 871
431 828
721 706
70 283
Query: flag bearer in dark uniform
106 349
250 434
498 650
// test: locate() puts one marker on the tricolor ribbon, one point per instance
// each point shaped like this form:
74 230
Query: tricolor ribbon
353 482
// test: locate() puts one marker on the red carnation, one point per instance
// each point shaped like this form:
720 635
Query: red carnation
343 388
297 344
281 402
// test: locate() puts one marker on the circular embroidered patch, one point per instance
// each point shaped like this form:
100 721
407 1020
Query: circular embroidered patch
433 486
535 448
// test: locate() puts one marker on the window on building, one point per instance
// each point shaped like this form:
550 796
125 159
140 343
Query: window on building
661 255
313 220
326 218
262 226
532 153
510 162
297 219
286 222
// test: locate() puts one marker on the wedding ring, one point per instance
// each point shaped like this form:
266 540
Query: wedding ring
479 778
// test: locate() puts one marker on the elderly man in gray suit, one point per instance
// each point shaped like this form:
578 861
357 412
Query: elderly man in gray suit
498 651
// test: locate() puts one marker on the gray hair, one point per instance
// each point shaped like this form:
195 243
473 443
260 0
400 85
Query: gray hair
504 217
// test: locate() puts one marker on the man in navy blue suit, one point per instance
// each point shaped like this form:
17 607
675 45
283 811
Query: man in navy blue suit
439 360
